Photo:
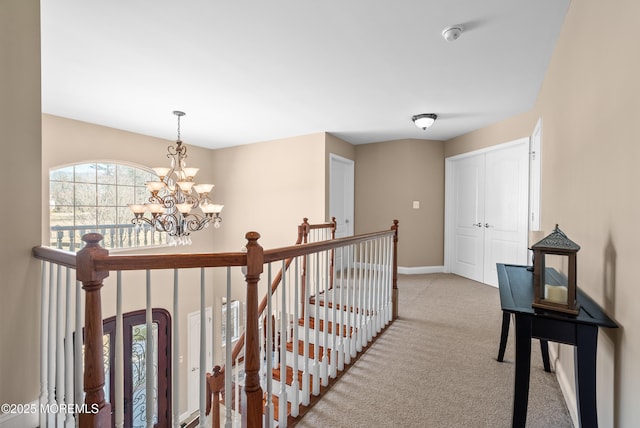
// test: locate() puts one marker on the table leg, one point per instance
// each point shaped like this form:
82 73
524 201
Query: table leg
585 374
506 320
544 349
523 369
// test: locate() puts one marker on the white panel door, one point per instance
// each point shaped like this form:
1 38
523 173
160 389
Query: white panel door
468 191
505 208
193 380
341 198
489 210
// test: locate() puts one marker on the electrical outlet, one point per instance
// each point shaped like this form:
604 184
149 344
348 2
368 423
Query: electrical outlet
416 205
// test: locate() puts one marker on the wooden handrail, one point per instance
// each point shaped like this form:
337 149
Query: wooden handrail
314 247
60 257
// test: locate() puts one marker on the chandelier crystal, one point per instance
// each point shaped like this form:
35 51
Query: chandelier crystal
174 198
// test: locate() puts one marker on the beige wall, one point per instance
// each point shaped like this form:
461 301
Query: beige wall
589 107
20 124
270 187
509 130
389 177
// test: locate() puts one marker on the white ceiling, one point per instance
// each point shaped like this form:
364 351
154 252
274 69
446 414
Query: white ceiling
253 70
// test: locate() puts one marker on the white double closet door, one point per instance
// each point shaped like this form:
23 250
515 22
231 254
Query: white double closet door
487 209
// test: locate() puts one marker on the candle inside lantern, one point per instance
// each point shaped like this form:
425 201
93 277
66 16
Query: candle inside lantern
555 293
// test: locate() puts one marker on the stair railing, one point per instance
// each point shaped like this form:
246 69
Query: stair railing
340 320
93 265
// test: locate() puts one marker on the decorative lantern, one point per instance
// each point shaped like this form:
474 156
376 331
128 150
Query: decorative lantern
553 290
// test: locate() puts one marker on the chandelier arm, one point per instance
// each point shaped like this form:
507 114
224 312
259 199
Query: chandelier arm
195 222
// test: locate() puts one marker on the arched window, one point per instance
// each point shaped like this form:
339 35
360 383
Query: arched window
94 197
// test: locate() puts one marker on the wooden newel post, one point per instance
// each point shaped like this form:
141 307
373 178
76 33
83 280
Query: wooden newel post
302 239
215 385
395 269
252 416
97 411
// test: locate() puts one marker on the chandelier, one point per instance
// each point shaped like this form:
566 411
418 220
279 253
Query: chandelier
174 198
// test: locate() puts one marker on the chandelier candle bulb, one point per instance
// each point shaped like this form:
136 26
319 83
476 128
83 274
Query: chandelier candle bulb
161 172
186 186
203 189
184 208
189 173
155 186
138 209
155 208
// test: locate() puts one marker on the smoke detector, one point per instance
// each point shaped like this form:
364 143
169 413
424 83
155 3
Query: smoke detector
452 33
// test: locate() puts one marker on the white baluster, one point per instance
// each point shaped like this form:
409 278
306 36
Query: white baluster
376 301
77 346
68 353
203 352
374 289
389 293
340 328
379 284
282 396
175 363
358 301
237 389
315 368
295 386
119 356
348 309
60 365
333 357
228 362
44 340
51 345
366 294
149 372
268 407
306 387
324 368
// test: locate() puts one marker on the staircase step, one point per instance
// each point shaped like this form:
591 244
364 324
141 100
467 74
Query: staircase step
301 349
321 303
276 403
312 322
277 373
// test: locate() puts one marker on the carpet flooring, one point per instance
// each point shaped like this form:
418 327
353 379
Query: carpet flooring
436 366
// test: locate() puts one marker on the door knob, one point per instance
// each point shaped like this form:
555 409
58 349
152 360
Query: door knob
477 225
487 225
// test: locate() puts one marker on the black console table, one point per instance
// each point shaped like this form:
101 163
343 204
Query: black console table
516 296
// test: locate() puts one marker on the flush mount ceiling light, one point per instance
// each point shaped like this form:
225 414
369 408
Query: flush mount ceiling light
452 33
424 120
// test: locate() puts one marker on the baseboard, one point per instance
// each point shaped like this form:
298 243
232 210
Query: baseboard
420 270
21 420
566 384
